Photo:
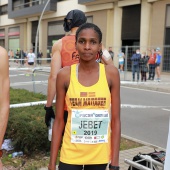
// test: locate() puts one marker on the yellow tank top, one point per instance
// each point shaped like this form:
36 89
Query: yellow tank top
87 133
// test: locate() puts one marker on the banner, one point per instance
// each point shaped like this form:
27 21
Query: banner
167 158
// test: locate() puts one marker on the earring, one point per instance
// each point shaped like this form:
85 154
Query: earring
100 53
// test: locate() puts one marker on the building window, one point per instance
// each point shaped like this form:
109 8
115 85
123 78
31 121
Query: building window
3 10
166 51
20 4
17 4
13 38
90 19
55 32
2 37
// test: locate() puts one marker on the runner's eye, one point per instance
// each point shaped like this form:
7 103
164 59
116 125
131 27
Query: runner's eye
81 41
93 42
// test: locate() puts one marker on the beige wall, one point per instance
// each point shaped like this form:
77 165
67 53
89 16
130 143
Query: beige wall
4 21
43 39
117 42
22 40
145 24
110 27
158 23
100 19
3 2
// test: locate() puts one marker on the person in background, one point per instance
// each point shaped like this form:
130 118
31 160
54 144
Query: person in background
157 63
63 52
9 54
31 58
39 56
151 62
17 54
4 96
143 65
111 52
22 56
135 64
12 54
121 57
90 142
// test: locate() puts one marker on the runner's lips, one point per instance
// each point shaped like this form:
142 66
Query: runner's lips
87 54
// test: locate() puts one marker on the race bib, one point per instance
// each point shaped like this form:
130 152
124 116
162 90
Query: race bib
89 126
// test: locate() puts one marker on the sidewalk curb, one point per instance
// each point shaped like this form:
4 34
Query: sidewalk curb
142 142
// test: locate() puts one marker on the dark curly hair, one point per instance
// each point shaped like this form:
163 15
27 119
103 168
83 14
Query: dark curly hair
89 26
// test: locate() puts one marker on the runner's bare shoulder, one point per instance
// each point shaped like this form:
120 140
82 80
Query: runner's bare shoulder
57 46
111 69
64 74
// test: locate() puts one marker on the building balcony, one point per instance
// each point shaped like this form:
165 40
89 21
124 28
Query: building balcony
30 9
94 2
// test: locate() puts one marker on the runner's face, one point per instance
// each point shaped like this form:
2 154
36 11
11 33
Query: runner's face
88 44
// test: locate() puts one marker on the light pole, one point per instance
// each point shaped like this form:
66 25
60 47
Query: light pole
36 38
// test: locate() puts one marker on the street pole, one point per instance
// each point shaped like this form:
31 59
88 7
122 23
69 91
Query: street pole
36 38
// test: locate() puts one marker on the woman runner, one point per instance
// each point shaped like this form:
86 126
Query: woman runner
92 94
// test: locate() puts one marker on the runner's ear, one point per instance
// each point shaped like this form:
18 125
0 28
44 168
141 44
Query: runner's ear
100 46
76 46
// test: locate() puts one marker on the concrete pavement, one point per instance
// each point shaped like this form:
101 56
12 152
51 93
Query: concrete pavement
163 85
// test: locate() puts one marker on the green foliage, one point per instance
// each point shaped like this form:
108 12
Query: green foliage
26 125
23 96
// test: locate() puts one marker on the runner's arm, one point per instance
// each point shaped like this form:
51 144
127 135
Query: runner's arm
106 57
4 93
115 116
55 67
58 125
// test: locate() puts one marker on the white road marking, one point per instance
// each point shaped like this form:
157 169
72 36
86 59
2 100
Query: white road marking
140 106
166 110
136 88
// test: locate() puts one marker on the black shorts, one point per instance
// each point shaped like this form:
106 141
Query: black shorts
64 166
157 65
31 63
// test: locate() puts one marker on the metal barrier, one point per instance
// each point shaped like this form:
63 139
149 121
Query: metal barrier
22 61
29 104
151 164
32 73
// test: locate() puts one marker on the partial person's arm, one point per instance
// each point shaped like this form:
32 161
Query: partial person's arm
55 67
106 57
133 56
35 58
58 125
115 114
27 59
4 94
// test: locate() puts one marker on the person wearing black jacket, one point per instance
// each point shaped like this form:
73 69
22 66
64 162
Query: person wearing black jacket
143 66
135 64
